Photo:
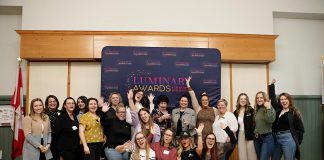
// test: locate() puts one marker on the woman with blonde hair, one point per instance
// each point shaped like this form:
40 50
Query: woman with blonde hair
264 117
142 149
37 129
187 148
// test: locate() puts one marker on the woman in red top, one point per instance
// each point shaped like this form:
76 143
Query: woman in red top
166 148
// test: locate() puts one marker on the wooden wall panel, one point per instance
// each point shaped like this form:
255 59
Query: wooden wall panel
56 46
244 49
101 41
87 45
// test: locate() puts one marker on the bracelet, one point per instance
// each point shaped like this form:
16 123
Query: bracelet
199 135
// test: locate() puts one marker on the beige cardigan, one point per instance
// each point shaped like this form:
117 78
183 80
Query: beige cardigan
33 132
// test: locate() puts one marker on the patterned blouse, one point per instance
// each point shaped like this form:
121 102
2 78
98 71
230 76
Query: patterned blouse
93 130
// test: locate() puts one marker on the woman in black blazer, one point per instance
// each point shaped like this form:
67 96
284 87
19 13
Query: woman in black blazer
244 113
66 132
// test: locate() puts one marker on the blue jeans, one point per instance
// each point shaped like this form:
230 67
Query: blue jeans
285 145
111 153
264 147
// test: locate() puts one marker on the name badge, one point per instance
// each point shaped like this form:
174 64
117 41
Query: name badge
74 128
166 152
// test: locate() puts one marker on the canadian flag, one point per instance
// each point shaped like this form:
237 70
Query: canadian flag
17 101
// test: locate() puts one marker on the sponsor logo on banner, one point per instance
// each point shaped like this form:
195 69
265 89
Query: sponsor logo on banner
169 54
182 64
209 81
209 64
112 53
153 63
197 71
197 54
124 62
110 69
140 53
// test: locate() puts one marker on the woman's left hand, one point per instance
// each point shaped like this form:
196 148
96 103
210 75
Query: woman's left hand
200 128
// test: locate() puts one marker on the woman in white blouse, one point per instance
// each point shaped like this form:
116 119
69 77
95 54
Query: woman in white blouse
225 127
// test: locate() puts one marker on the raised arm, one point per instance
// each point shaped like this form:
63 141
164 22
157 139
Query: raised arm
131 104
200 141
193 97
151 98
272 95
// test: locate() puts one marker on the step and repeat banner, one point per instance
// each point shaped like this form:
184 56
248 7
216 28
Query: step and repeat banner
161 70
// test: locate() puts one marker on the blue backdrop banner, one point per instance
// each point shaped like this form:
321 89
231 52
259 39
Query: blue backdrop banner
161 70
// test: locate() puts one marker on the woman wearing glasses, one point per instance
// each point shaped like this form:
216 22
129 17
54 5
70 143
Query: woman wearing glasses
142 149
117 131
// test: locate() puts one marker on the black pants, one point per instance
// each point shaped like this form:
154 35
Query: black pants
42 155
71 155
95 151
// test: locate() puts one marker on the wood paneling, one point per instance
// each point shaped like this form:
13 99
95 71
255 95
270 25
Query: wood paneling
44 47
148 41
87 45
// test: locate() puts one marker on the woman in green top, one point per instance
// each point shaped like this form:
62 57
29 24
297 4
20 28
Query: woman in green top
264 117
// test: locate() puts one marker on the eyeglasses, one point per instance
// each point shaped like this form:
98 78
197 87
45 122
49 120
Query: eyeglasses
208 138
121 112
139 138
140 93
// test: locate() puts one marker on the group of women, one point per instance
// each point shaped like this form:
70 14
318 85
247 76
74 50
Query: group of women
90 129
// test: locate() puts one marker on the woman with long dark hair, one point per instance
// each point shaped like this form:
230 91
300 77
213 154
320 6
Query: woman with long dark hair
81 106
288 128
209 151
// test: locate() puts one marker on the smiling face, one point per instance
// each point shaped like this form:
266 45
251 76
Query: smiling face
260 99
183 102
145 117
114 99
93 106
81 104
204 101
284 101
243 100
210 141
52 104
38 107
222 107
140 140
138 96
121 113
